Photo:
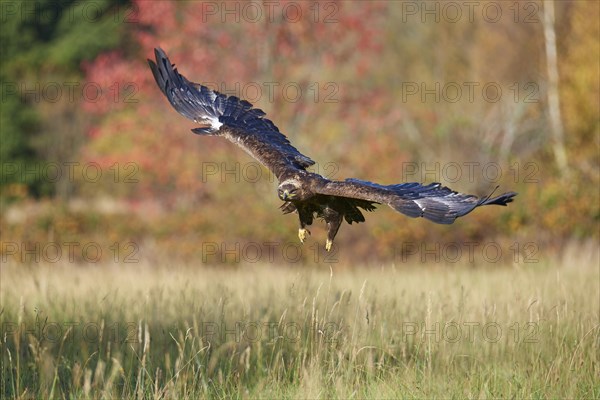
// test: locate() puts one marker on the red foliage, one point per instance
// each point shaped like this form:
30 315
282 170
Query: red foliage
291 42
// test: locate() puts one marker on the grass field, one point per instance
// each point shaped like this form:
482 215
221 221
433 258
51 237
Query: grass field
142 331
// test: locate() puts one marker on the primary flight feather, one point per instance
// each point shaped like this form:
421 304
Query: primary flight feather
309 194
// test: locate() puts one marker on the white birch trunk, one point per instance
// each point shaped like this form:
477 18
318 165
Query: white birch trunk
558 145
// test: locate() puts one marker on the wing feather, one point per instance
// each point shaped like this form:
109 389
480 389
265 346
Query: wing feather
434 202
227 116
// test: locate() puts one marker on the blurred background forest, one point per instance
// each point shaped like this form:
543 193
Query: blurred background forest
474 95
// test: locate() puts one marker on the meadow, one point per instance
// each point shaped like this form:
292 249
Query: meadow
398 331
141 261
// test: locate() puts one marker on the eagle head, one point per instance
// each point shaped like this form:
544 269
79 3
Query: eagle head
290 189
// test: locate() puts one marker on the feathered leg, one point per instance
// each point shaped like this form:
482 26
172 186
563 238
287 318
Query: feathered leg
334 220
306 218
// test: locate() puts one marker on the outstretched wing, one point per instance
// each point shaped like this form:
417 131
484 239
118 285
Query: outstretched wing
435 202
227 116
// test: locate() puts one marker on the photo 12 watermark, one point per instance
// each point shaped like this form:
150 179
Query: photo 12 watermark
57 332
291 92
72 92
71 171
469 332
267 252
253 171
470 172
453 12
71 252
270 11
67 12
469 91
467 252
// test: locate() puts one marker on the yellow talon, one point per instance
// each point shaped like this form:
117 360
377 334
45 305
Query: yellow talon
328 244
302 234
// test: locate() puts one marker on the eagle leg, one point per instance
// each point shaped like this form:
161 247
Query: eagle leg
302 233
334 220
306 218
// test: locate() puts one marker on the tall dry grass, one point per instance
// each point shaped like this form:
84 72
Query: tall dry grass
148 331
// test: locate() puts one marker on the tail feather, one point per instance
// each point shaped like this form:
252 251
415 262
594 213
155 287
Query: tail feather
501 200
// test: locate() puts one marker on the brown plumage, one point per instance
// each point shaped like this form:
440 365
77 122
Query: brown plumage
307 193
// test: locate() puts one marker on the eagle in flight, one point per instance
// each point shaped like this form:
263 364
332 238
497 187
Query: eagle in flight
309 194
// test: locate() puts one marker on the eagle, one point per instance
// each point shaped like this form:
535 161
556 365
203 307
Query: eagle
306 193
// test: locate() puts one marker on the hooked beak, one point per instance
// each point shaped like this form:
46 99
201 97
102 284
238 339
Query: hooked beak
286 195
